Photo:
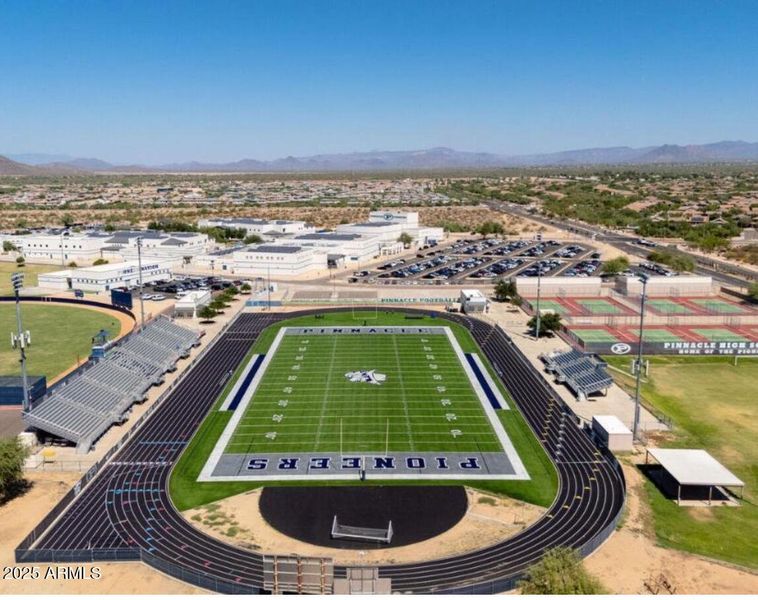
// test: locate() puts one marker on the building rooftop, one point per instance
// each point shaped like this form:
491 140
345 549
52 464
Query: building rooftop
266 248
337 237
694 467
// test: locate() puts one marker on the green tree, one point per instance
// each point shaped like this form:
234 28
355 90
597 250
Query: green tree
12 455
72 265
245 288
67 220
207 313
21 261
99 261
253 239
752 291
560 571
616 265
505 290
9 246
405 239
490 228
549 323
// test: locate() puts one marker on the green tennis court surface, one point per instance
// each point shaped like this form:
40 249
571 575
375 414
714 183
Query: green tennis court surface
307 403
659 335
594 335
720 335
718 306
600 307
552 305
669 307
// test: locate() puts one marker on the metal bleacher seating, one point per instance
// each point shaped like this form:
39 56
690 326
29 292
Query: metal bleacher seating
585 374
85 405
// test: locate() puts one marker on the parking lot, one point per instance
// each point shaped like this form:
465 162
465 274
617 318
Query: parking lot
178 287
484 260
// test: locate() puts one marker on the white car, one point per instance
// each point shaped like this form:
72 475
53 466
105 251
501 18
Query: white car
159 297
181 293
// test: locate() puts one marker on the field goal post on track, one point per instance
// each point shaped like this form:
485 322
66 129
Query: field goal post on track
363 534
368 312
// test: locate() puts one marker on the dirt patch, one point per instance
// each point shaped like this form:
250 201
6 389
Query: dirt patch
631 562
489 519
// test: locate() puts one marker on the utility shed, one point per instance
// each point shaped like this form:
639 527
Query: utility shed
473 301
612 433
694 472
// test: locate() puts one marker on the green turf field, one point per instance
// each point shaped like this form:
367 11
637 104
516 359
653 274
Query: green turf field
594 335
712 404
669 307
720 335
600 307
405 407
719 306
30 275
61 335
187 492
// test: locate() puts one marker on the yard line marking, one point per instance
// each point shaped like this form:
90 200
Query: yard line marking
327 392
402 392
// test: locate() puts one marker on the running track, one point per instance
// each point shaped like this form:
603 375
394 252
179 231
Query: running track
125 509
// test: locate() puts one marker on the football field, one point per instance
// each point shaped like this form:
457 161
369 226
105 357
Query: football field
340 401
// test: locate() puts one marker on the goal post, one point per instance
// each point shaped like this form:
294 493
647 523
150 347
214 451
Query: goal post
365 534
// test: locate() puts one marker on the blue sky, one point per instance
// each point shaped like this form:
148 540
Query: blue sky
153 82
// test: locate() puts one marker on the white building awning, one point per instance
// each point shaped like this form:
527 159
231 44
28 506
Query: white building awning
694 467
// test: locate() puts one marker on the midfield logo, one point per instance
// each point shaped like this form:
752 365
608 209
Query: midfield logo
371 377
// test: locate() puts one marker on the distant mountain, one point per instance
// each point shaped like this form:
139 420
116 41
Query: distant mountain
447 158
11 167
432 158
39 159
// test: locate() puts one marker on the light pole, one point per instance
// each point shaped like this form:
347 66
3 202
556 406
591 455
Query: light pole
539 314
22 339
139 268
643 278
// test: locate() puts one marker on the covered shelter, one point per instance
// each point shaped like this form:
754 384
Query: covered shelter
694 470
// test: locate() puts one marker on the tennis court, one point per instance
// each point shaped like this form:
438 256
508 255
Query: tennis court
715 334
551 305
590 336
658 335
669 307
600 307
718 306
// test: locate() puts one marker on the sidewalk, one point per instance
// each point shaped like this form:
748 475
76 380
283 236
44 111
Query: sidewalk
617 402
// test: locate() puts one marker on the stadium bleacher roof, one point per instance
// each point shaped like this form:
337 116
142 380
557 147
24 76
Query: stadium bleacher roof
694 467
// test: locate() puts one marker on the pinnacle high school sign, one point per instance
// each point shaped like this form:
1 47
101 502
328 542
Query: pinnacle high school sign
728 348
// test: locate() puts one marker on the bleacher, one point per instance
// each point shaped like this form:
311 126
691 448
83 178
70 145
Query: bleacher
84 406
584 374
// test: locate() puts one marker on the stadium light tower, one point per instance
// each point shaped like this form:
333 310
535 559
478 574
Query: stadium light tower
139 268
636 427
539 314
21 339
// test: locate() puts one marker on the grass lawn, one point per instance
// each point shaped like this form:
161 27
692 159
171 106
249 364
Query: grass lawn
60 336
540 489
713 407
30 275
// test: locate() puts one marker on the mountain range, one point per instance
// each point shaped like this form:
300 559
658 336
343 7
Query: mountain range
432 158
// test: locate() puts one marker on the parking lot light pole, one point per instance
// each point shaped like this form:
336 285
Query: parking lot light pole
636 427
21 340
139 269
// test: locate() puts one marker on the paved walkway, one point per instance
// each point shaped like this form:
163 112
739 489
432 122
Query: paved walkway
617 402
